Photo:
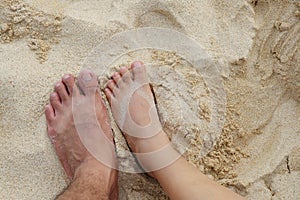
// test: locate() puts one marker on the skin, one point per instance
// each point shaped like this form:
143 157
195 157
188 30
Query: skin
180 179
90 179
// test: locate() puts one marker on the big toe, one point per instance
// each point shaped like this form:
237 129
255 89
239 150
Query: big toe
87 82
139 71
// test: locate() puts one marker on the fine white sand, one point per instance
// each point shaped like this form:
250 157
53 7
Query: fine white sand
255 44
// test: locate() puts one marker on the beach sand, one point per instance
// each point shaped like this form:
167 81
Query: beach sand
254 43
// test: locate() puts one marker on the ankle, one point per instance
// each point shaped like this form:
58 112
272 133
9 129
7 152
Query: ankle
89 165
151 144
90 175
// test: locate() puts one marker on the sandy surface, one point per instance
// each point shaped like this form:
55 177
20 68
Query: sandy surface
255 44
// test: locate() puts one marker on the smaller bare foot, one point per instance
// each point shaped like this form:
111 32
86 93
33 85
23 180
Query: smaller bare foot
133 108
77 162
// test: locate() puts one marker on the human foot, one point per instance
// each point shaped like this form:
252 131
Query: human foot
67 103
133 108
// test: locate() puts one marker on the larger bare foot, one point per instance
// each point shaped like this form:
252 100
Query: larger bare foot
134 110
77 162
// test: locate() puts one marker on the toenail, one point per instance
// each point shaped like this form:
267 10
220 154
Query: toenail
66 77
111 82
137 64
47 107
87 77
53 95
57 85
115 75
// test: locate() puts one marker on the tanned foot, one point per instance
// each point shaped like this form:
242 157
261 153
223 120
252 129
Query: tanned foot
132 85
89 176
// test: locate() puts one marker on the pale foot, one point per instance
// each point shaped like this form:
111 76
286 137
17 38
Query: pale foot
147 135
179 179
80 166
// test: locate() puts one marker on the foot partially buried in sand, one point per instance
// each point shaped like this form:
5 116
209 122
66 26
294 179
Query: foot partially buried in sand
133 108
80 166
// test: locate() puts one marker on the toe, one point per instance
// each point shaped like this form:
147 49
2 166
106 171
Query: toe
55 102
116 77
69 82
49 112
139 71
111 85
61 91
126 75
88 82
109 95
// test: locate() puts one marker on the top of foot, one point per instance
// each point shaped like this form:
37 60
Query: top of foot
134 110
83 103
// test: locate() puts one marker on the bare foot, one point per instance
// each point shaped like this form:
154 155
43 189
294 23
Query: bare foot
77 162
134 110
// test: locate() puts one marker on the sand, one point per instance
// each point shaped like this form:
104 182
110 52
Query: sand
254 43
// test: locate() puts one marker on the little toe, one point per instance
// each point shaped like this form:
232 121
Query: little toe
88 82
61 90
55 102
139 71
109 95
49 112
126 75
69 82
